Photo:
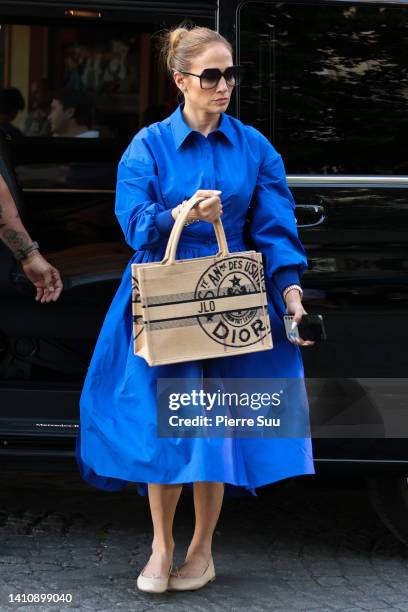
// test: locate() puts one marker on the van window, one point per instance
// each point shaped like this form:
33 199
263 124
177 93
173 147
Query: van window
328 85
104 73
72 96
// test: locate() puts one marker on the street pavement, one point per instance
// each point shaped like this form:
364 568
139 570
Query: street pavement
305 543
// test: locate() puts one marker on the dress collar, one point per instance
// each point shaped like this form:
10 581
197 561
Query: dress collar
181 129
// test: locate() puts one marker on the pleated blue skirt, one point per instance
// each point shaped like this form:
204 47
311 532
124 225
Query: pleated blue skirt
117 441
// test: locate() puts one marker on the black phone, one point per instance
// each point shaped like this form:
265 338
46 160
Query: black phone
311 327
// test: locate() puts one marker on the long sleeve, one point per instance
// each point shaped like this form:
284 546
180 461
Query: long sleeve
272 223
144 219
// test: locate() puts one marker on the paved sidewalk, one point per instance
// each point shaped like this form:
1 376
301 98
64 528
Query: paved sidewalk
307 543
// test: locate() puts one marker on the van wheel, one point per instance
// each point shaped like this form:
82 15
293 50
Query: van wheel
389 497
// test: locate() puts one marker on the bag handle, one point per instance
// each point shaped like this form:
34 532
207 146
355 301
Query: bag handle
170 254
173 232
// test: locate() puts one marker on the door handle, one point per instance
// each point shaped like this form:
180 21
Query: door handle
310 214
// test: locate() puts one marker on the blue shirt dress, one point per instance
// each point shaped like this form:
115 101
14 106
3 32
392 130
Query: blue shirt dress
164 164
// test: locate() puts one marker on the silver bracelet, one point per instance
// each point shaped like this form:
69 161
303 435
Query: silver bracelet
188 222
298 287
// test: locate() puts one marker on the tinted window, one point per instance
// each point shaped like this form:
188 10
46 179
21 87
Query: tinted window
107 69
328 85
72 97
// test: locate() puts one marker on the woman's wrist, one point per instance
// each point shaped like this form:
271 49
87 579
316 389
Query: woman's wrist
289 291
191 218
175 211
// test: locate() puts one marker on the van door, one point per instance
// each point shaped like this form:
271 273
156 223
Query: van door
327 84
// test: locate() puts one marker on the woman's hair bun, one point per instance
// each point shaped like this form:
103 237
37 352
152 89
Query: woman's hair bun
175 36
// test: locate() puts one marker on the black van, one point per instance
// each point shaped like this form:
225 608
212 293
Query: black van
327 83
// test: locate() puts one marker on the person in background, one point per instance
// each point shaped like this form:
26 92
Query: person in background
70 115
11 103
36 122
38 270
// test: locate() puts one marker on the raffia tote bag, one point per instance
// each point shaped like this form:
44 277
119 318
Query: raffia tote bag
200 308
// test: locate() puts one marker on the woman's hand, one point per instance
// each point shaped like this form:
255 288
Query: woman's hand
209 209
295 307
44 277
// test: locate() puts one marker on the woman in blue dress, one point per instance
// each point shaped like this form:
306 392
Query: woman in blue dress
198 152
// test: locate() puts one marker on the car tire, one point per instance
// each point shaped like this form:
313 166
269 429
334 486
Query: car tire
389 497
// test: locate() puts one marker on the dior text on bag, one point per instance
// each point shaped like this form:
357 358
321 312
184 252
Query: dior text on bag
200 308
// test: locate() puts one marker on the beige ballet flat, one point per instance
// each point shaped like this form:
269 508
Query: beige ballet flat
153 584
177 583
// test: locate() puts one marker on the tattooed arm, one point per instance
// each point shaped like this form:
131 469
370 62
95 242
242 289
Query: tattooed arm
41 273
12 230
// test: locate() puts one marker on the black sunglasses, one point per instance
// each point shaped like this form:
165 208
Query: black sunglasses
210 77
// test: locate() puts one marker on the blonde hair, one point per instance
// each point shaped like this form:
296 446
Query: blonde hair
181 44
